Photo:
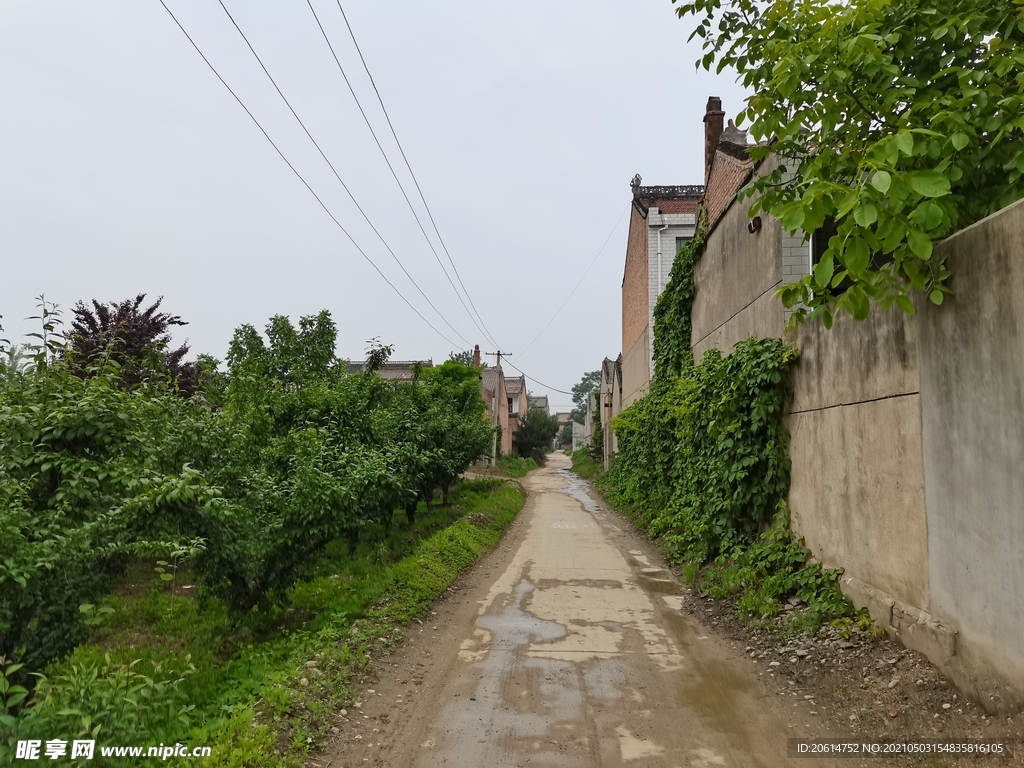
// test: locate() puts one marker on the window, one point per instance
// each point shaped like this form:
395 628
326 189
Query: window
510 411
680 242
820 238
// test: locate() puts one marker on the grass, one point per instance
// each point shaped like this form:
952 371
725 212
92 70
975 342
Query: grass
516 466
261 689
584 465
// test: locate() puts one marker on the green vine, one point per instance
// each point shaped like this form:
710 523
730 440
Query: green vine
672 325
703 457
702 462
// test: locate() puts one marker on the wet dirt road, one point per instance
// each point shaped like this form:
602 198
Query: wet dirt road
569 650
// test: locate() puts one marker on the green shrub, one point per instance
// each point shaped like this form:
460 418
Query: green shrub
583 464
516 466
702 459
770 569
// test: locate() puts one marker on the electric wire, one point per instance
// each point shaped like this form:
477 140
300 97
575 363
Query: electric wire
408 165
401 187
299 175
578 282
335 172
541 383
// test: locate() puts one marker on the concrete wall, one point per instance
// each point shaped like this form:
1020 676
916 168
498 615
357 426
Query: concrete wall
736 279
857 483
972 390
906 439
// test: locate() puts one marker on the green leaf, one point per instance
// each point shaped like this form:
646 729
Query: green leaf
823 270
960 140
920 244
905 142
865 214
905 304
935 296
857 256
928 183
793 219
881 181
928 215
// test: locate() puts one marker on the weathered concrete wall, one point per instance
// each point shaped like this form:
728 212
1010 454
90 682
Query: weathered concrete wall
972 389
857 484
736 279
906 440
636 380
857 492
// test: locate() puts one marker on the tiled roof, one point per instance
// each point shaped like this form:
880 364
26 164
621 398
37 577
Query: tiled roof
677 206
515 385
679 198
729 172
489 376
397 369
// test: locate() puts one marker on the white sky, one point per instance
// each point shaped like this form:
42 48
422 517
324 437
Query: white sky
126 167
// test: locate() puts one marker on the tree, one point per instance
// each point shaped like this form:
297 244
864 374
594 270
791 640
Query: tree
564 439
465 357
533 437
138 340
901 121
581 391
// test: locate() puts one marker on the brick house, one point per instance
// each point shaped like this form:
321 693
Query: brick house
661 219
517 399
395 370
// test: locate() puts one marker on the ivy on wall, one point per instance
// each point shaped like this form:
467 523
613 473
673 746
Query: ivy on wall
672 326
703 457
702 462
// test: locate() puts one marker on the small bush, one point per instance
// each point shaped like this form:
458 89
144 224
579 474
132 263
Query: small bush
583 464
516 466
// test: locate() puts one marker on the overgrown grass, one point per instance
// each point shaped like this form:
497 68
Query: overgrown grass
583 463
514 465
261 689
766 572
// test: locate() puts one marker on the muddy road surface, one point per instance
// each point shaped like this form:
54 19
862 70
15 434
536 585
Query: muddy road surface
566 648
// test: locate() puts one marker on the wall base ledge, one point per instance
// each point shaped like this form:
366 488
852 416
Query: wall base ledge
941 644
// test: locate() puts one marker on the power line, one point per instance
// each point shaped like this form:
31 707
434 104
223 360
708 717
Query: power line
333 170
408 166
541 383
401 187
578 282
299 175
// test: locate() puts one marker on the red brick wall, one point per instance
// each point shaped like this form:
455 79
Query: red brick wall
635 282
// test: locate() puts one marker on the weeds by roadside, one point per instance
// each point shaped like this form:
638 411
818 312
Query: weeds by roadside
516 466
583 464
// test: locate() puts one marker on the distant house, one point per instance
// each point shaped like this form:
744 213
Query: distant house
661 220
539 403
395 370
518 405
492 388
611 401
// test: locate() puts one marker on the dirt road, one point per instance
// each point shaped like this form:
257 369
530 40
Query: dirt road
566 647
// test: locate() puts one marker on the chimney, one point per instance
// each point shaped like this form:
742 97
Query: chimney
714 123
476 356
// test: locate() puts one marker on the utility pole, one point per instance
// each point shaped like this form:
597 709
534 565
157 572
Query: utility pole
498 354
494 403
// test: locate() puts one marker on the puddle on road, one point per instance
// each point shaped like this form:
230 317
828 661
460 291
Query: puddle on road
577 489
587 688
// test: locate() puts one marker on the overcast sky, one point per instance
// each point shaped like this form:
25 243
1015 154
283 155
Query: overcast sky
126 167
